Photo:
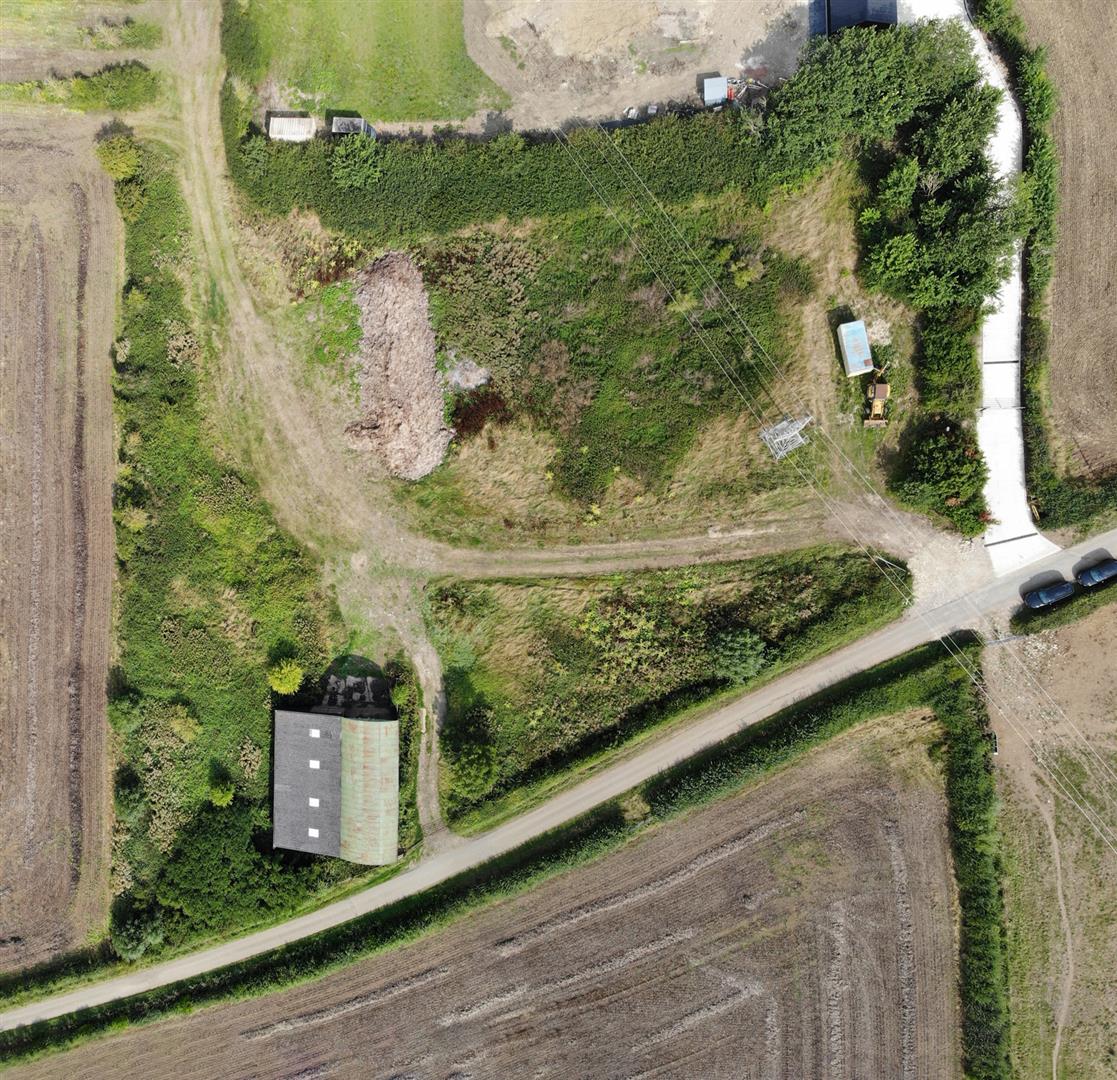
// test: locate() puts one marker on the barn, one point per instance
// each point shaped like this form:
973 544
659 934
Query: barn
335 786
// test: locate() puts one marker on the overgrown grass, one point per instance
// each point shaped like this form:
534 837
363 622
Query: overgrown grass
125 34
579 336
1062 499
921 678
1029 621
936 231
116 88
388 59
541 676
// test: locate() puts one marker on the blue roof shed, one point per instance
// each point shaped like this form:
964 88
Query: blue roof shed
854 342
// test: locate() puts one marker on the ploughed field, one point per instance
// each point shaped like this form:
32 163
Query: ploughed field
804 927
58 235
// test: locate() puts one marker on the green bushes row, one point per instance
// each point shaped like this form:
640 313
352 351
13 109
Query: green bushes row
922 677
116 88
1061 500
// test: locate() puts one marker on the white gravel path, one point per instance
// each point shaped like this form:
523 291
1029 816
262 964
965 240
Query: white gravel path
1013 540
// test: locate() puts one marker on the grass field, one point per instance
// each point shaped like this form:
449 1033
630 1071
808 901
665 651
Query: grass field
387 59
542 675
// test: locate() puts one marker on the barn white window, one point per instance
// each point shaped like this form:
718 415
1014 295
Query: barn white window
315 733
312 800
312 833
314 763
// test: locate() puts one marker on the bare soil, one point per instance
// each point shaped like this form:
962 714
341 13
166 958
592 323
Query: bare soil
802 928
1081 38
1062 880
560 59
401 390
58 286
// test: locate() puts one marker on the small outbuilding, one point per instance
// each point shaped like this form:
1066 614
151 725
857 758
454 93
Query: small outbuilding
291 127
715 90
352 125
853 340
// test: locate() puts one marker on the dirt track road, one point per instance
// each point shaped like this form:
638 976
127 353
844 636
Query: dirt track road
610 782
59 238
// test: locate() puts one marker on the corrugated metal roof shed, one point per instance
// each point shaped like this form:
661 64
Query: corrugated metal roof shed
292 128
853 340
715 91
351 125
369 791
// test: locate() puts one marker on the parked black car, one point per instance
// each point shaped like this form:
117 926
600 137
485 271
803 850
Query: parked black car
1098 573
1049 594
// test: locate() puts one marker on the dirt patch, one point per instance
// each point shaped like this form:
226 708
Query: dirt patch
1081 38
401 391
564 58
57 300
805 926
1061 879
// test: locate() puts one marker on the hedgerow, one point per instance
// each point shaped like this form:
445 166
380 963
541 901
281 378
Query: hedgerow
1061 499
922 677
116 88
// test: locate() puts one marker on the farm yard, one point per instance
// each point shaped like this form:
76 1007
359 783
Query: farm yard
58 286
1059 883
736 932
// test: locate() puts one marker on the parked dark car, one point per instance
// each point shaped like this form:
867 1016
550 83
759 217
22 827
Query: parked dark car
1098 573
1049 594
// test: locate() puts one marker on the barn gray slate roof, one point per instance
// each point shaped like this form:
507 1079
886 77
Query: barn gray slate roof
294 783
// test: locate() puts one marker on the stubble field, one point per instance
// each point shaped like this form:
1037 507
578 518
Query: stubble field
59 235
1081 38
1061 878
802 928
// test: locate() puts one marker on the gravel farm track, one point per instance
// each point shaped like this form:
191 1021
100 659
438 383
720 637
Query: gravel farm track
1081 39
60 240
804 927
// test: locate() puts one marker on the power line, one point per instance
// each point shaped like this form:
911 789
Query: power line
851 466
1054 772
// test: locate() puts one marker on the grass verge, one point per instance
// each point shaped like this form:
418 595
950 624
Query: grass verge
1029 621
920 678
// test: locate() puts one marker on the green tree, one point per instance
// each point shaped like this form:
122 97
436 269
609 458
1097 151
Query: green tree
945 474
119 156
286 676
136 930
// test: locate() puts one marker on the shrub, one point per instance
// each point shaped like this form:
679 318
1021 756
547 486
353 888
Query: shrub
945 474
136 930
356 162
285 677
119 156
738 656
